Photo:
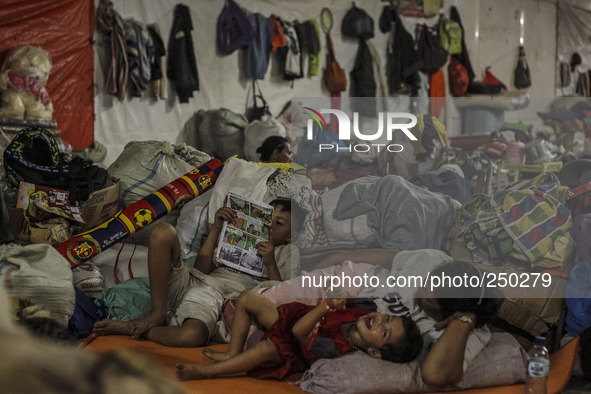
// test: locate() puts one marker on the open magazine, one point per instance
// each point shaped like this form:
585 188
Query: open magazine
237 243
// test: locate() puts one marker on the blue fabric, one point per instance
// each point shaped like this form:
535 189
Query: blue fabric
259 49
87 311
578 299
308 154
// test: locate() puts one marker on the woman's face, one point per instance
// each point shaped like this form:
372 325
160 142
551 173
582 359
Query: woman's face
283 155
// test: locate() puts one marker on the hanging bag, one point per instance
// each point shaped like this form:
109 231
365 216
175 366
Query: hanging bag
235 29
256 112
429 47
334 75
521 76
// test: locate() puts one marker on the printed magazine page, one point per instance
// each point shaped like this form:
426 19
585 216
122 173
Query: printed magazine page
237 243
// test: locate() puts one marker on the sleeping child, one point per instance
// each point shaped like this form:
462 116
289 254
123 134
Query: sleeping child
298 334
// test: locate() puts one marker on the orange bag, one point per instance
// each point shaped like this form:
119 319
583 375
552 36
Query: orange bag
334 75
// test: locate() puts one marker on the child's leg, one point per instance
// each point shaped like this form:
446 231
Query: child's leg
248 303
164 252
263 352
192 333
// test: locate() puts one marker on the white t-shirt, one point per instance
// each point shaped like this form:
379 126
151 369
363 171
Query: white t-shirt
400 300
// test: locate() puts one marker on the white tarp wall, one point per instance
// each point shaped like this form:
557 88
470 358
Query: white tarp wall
222 83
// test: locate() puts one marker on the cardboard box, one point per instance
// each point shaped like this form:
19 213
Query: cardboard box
102 204
52 231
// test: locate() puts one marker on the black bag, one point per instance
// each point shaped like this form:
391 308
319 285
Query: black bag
429 47
256 112
357 24
521 77
34 156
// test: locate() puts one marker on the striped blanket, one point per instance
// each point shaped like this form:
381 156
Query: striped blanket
532 216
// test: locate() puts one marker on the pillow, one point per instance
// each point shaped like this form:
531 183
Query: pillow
501 363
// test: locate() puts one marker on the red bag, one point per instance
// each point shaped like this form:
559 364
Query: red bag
458 78
490 79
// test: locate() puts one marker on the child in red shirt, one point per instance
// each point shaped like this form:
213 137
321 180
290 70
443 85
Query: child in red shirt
299 334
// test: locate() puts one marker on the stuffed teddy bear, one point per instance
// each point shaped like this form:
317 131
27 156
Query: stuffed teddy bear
22 84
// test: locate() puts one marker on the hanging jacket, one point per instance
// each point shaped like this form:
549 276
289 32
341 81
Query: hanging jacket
363 83
291 54
158 70
259 49
181 65
403 61
307 33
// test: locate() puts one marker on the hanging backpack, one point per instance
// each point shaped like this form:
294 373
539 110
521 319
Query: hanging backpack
429 47
33 156
357 23
450 33
521 77
458 78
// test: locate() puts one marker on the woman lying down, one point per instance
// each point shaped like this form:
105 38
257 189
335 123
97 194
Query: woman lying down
452 321
298 334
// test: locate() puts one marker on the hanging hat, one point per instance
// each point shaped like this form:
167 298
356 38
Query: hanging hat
575 173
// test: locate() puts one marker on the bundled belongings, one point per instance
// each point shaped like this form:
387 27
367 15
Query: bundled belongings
33 156
220 132
526 223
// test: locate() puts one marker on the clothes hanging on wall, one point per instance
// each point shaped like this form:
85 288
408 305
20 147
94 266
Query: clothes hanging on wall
158 70
259 49
290 54
463 56
278 34
182 67
140 52
363 81
437 92
403 61
110 23
307 35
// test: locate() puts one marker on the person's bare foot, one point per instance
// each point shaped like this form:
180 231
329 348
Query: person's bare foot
215 355
140 326
191 371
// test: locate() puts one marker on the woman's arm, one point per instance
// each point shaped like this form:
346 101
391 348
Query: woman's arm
444 365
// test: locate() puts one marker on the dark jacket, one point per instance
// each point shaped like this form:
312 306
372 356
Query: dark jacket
181 65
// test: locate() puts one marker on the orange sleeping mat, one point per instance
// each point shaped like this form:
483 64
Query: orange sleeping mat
561 363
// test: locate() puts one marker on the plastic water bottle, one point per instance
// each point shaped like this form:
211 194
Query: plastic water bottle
538 366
